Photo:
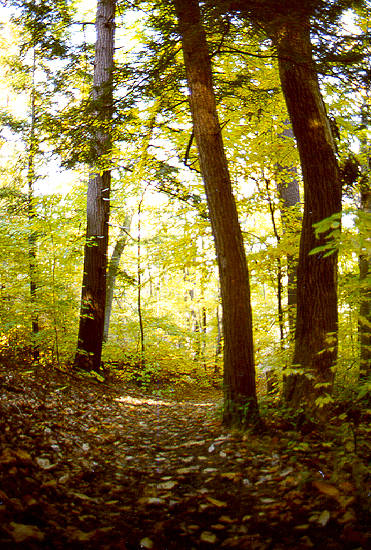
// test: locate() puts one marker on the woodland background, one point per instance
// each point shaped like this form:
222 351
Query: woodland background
165 319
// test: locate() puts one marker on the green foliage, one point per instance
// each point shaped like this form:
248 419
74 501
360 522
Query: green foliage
179 280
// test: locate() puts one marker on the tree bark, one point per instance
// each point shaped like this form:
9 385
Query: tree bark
364 321
93 297
32 238
240 402
317 318
139 281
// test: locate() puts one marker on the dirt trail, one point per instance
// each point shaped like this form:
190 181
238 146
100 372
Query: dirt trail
89 466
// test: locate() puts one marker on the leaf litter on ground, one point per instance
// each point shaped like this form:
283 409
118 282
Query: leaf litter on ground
97 466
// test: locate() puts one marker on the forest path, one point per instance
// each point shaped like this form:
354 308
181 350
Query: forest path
90 466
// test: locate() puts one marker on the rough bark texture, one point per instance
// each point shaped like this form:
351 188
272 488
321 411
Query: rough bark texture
90 339
240 403
317 318
32 238
364 323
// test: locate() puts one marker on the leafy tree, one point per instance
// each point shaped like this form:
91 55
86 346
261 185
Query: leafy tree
39 27
317 317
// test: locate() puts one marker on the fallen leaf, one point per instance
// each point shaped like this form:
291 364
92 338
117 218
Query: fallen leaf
231 475
7 457
81 536
45 463
81 496
348 517
64 478
167 485
218 526
216 502
326 489
22 455
209 470
146 543
207 536
191 443
227 519
21 532
182 471
151 501
324 518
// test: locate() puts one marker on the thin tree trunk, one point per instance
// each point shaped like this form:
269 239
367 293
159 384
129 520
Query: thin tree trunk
271 375
317 318
289 195
112 272
93 298
136 177
139 293
31 218
279 268
204 332
240 402
219 337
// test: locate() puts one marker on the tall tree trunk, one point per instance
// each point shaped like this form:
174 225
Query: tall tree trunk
240 402
271 375
113 270
32 238
364 321
139 291
317 318
281 323
90 338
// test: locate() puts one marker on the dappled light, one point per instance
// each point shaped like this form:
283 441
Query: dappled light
185 290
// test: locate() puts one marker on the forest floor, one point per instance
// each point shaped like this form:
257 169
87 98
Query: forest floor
88 465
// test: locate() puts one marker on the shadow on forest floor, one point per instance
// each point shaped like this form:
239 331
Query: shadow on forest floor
85 465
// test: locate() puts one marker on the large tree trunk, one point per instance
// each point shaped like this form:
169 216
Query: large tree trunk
364 321
90 339
317 318
240 402
32 238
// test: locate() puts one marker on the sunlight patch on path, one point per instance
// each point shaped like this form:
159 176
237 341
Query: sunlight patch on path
146 401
